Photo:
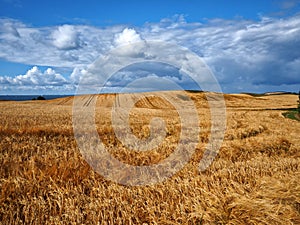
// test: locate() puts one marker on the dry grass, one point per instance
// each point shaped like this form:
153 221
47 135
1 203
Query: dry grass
253 180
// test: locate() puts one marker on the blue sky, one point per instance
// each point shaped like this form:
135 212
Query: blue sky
250 46
134 12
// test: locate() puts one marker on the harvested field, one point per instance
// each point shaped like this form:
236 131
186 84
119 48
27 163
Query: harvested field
253 180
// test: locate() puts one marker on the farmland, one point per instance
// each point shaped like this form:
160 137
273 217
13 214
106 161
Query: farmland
254 179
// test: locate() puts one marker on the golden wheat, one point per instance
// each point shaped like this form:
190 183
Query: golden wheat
253 180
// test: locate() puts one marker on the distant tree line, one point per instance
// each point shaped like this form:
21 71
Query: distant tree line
39 98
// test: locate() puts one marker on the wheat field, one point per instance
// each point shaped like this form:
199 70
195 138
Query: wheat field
254 179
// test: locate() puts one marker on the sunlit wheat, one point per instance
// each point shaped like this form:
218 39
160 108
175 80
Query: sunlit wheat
253 180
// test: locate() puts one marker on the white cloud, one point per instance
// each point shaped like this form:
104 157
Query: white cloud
127 36
35 77
76 74
66 38
241 53
36 81
8 29
51 46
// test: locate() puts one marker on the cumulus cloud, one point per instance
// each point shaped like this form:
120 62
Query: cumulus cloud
66 38
127 36
244 55
77 73
35 77
35 80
